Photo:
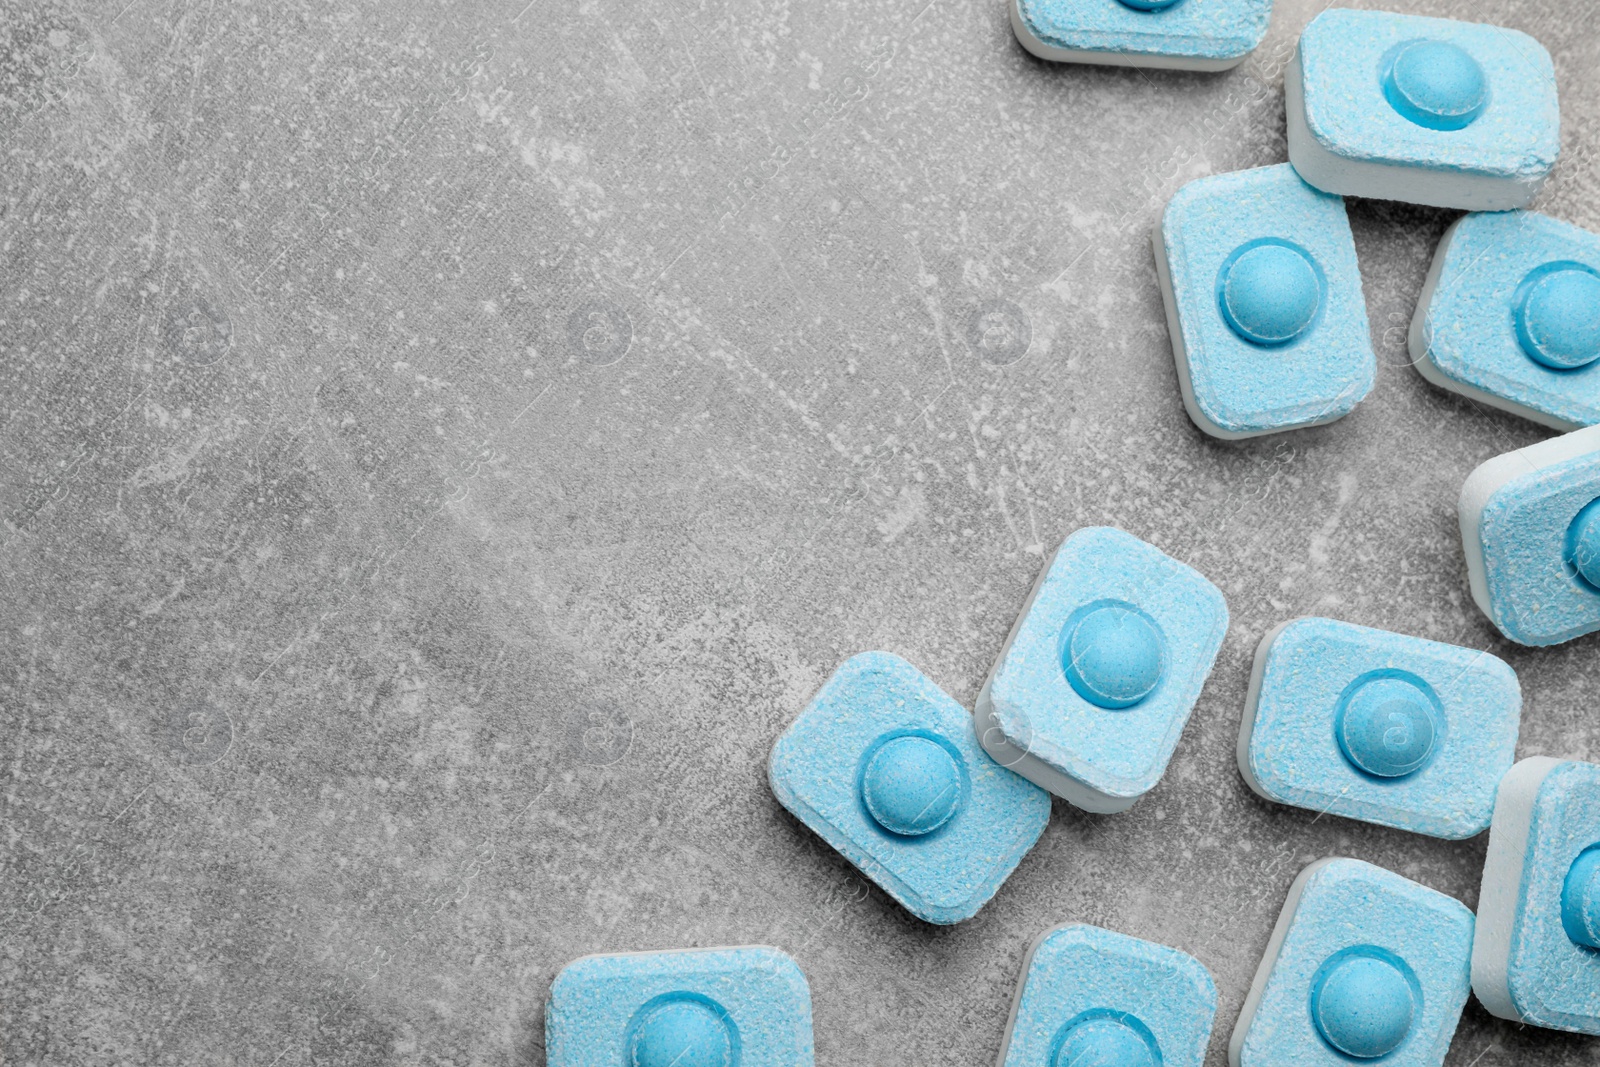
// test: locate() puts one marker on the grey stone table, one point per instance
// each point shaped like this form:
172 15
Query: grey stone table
445 443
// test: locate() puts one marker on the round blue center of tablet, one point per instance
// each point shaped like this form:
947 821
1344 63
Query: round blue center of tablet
1362 1006
1148 5
1435 84
1105 1041
1388 726
1270 293
911 785
1583 544
1580 900
1112 656
1557 313
683 1032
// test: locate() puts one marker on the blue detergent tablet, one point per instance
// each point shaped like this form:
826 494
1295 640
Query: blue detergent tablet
1362 1004
1093 687
1583 544
1557 312
1106 1041
886 768
1112 655
1424 110
1528 532
1510 317
1092 998
1535 959
1388 726
1580 900
1362 965
1264 304
725 1007
1181 34
1382 727
1270 292
682 1032
1435 84
911 785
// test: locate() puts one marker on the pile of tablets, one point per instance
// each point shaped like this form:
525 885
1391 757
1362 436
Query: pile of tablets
1098 678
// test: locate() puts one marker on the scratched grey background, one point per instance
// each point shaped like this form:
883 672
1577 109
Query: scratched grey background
445 443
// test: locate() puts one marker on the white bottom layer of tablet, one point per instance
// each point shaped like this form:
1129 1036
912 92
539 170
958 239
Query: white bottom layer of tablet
1487 479
1016 757
1022 984
1180 351
1035 770
1390 181
1180 358
1418 341
1502 882
1147 60
1269 959
1247 724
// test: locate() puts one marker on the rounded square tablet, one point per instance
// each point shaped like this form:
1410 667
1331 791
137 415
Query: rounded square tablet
1536 958
1424 110
1264 304
1097 679
1530 524
1090 996
1510 317
720 1007
1179 34
1362 965
1378 726
885 767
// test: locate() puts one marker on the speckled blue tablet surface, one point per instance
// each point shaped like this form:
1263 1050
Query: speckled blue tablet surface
1363 964
1381 727
1528 964
1117 750
723 1007
886 768
1432 94
1089 997
1220 30
1488 324
1273 348
1527 536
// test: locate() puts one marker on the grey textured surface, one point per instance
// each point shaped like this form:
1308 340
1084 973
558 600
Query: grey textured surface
444 444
